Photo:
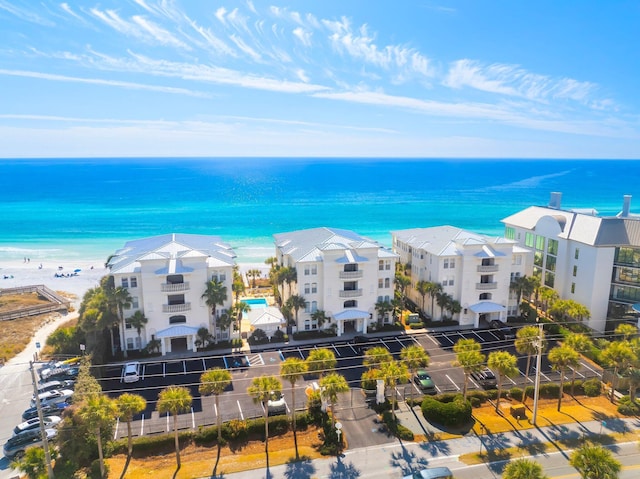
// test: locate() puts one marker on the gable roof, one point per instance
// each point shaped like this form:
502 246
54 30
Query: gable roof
448 240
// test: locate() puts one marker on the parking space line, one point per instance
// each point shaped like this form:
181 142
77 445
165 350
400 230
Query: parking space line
164 370
512 381
353 349
240 409
479 337
448 339
384 344
215 410
184 366
586 365
432 339
204 365
474 383
144 369
336 349
168 429
491 333
300 353
452 382
193 419
545 376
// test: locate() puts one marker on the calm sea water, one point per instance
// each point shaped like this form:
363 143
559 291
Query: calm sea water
74 209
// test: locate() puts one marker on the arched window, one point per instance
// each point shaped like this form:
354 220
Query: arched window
485 296
177 319
352 303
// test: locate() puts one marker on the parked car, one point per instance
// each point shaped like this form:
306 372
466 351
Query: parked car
131 372
34 423
277 405
63 374
485 378
431 473
424 382
501 330
53 397
47 410
51 385
18 444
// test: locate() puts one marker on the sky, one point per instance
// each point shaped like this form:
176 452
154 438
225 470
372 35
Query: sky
329 78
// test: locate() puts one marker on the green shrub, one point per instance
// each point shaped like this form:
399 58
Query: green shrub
627 407
578 388
550 390
94 470
492 394
397 429
454 413
258 337
419 325
477 397
530 391
235 430
515 393
592 387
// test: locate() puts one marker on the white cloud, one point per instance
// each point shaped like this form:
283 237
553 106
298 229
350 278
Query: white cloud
220 15
300 73
303 35
25 14
239 42
161 35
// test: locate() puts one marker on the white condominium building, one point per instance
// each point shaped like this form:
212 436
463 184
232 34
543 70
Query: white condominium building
338 272
472 269
166 277
591 259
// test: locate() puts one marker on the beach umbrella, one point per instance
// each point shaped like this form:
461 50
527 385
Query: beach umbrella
77 270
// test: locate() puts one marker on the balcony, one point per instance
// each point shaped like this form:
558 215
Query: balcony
350 293
486 286
491 268
173 287
351 274
176 308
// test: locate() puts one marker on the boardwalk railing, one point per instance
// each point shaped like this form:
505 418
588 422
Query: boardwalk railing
56 302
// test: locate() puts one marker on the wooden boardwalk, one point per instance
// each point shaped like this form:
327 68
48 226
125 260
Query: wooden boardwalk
56 302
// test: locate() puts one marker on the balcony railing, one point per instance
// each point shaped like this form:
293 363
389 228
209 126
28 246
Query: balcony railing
486 286
172 287
176 308
490 268
351 293
351 274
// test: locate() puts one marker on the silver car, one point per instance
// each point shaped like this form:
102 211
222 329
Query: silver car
18 444
49 423
53 397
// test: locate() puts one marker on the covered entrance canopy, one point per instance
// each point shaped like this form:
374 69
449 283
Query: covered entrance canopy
358 317
488 310
187 332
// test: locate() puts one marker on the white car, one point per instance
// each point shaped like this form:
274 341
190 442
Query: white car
131 372
53 397
49 422
277 405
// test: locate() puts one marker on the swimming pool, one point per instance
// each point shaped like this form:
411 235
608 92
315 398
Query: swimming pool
255 302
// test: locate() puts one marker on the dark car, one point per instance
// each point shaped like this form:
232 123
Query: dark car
47 410
424 382
501 330
18 444
485 378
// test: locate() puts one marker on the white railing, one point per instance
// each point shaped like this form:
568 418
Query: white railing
351 274
176 308
486 286
490 268
173 287
352 293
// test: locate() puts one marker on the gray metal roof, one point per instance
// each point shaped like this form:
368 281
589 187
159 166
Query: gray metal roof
446 240
174 246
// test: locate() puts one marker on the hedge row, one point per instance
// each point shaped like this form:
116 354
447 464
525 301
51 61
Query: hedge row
453 413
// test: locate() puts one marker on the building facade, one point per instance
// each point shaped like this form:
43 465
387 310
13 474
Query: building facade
474 270
338 272
591 259
166 277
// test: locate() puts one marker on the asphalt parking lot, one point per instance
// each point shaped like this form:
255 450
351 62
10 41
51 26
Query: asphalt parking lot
235 403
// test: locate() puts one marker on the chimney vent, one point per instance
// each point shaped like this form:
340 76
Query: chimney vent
626 206
555 200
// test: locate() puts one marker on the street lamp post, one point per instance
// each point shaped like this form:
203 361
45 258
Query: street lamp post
536 388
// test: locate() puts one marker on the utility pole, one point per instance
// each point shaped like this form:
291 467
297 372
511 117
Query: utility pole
43 432
536 388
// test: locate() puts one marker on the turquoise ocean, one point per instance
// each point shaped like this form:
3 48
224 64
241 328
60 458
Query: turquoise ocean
88 208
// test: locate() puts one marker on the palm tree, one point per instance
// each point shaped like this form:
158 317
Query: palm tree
121 300
215 294
382 308
292 370
376 356
321 360
581 343
619 355
523 469
422 287
98 412
129 405
454 307
434 290
287 275
415 357
627 331
330 386
548 296
471 361
237 286
595 462
505 364
402 282
204 337
521 286
33 463
137 321
633 375
443 299
215 381
237 311
561 358
296 302
527 343
466 344
253 274
174 400
394 372
320 317
262 390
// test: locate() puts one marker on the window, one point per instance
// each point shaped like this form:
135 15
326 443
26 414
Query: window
452 263
575 271
451 278
573 288
576 255
307 307
125 282
127 323
551 263
352 303
510 232
387 265
549 279
314 269
307 288
380 283
177 319
223 277
314 288
380 265
387 282
306 270
517 259
130 343
529 239
134 282
540 243
484 296
552 247
134 302
314 306
446 264
537 258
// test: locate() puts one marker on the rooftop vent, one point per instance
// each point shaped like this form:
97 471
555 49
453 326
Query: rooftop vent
555 200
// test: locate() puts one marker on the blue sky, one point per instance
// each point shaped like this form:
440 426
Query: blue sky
543 79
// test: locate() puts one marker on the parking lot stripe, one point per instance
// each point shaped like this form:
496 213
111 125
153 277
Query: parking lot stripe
240 409
448 339
491 333
300 353
336 350
204 365
164 370
474 383
184 366
168 429
452 382
479 337
353 349
144 369
142 426
193 419
385 344
432 339
586 365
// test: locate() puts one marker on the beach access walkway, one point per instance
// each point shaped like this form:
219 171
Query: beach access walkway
56 302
